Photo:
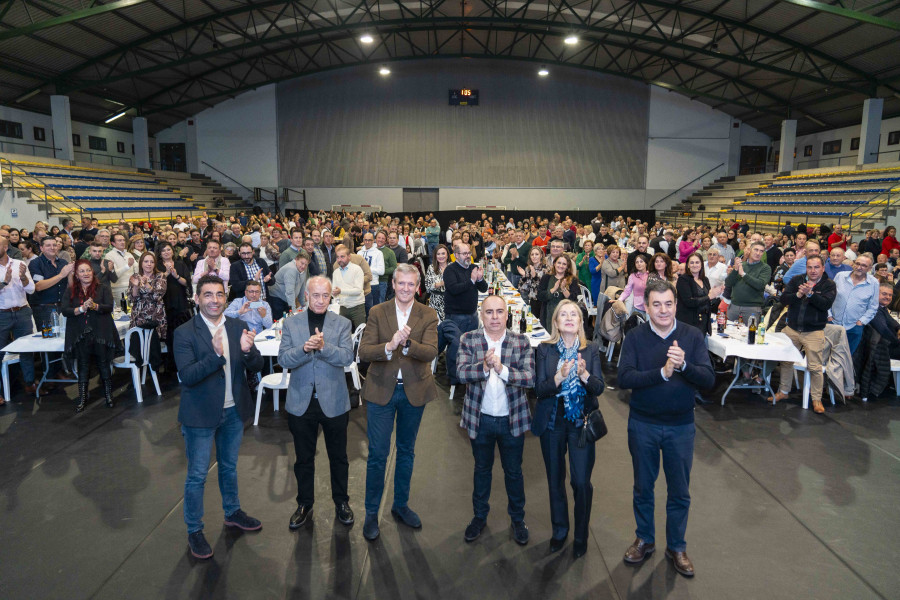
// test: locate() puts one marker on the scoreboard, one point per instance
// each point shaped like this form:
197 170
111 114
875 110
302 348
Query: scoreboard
464 97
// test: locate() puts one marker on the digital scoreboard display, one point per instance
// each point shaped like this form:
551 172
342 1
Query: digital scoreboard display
464 97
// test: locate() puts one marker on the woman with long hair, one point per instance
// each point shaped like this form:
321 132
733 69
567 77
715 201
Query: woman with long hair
662 267
530 278
137 246
434 279
612 269
147 288
694 295
687 246
91 334
889 240
637 282
557 285
568 379
179 290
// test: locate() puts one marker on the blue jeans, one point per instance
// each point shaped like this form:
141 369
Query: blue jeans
495 431
854 337
463 323
382 291
645 441
514 278
198 442
380 424
19 325
431 247
554 444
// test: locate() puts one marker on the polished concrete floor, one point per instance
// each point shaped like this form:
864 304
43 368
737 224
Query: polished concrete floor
786 504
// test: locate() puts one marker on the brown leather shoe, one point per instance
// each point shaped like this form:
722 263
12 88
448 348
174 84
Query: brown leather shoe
681 562
2 401
638 551
817 406
31 388
778 397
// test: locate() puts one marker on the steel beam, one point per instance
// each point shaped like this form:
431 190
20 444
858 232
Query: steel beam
71 17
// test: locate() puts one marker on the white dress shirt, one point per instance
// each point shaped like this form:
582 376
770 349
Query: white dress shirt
495 402
12 295
716 274
213 328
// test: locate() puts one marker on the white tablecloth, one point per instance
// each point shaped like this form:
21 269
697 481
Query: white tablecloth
777 347
36 343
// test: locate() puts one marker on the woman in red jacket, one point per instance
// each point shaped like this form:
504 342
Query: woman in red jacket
889 241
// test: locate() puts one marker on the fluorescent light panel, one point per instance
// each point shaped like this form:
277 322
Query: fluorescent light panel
116 116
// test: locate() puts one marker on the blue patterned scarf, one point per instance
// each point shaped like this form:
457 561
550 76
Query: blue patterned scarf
572 391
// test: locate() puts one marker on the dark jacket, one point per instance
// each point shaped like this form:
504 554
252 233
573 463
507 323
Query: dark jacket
693 302
95 326
550 301
655 245
809 313
202 376
547 357
238 278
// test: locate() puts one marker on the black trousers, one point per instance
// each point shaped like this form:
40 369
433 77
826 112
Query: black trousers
87 353
305 430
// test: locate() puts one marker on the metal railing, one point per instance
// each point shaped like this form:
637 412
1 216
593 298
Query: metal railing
687 184
849 221
5 147
286 194
226 175
126 161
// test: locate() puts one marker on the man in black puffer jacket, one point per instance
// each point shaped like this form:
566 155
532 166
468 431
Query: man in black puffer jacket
808 298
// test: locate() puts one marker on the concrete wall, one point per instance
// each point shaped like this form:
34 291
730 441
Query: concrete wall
847 157
83 153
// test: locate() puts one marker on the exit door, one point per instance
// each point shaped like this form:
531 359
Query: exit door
753 160
172 157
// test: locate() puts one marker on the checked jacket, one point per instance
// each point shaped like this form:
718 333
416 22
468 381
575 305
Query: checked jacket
517 356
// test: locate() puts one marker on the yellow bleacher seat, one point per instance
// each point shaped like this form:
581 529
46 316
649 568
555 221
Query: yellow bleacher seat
70 168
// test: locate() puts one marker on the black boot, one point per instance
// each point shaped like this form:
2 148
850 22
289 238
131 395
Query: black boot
82 396
107 390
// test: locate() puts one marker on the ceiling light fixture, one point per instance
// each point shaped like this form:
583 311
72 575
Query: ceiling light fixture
366 38
572 39
116 116
30 94
543 72
384 71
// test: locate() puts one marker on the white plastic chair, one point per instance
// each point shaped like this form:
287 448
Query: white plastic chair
588 301
274 382
125 361
353 368
434 368
8 359
146 338
895 370
800 366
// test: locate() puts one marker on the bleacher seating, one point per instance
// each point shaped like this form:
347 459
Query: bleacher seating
859 199
129 193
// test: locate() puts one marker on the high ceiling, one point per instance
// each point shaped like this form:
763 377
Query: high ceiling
759 60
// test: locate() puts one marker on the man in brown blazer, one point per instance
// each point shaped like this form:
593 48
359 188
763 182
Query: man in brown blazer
400 341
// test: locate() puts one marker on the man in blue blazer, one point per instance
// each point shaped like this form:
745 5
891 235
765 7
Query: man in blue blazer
316 346
213 353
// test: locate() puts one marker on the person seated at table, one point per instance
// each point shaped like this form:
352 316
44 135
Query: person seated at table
251 309
91 333
808 298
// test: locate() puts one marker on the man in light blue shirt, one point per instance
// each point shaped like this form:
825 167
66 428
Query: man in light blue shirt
835 264
259 317
799 266
857 299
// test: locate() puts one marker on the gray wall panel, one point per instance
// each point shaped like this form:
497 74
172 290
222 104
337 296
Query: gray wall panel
354 128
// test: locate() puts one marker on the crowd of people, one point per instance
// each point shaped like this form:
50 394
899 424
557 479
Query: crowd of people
206 286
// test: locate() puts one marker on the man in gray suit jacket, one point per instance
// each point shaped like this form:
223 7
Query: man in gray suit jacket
316 345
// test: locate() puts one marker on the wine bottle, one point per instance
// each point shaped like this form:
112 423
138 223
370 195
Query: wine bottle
123 304
751 333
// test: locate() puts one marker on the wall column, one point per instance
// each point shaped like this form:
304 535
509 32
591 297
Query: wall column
141 143
190 147
787 144
62 127
870 130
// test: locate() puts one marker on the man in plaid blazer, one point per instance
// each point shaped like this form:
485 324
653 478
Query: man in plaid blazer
498 366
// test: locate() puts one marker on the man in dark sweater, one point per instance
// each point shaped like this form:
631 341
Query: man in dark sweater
808 298
462 282
640 250
664 365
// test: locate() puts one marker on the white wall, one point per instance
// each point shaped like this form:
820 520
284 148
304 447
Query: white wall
847 157
239 137
688 138
685 139
30 120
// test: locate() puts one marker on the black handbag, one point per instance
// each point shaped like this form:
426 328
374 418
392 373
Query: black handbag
594 428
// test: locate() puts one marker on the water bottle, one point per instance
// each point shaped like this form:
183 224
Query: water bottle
54 323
